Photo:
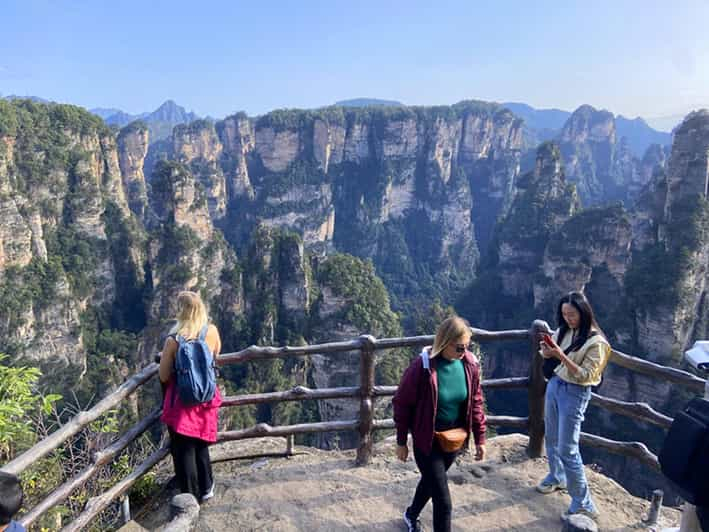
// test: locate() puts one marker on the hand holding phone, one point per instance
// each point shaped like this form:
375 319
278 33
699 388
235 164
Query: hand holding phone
546 338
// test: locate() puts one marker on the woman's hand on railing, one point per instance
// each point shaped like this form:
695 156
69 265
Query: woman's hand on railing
402 452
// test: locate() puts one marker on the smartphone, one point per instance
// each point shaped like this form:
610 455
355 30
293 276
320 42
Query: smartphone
547 340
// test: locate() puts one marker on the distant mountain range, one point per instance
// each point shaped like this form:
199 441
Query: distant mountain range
546 124
539 119
160 122
640 135
33 98
669 122
368 102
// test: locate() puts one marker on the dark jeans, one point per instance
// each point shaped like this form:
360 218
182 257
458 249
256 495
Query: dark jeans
193 469
434 485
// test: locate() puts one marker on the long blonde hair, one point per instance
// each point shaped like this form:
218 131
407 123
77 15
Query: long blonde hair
449 331
191 315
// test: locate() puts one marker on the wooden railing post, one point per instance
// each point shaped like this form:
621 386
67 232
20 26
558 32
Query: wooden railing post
366 403
290 439
125 509
537 387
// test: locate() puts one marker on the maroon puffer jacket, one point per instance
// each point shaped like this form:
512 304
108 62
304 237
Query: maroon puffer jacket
416 400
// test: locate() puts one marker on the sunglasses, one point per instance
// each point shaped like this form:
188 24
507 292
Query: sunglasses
461 348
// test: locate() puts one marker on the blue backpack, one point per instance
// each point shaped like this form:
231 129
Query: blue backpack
194 370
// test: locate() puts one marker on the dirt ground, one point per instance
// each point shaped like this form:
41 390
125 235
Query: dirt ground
324 491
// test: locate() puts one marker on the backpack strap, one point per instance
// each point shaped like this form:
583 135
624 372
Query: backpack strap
203 332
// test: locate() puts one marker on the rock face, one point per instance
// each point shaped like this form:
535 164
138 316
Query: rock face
352 301
264 217
545 201
675 246
64 205
600 161
362 180
133 144
237 136
644 269
186 252
198 146
589 252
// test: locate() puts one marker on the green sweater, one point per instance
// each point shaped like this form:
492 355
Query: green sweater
452 392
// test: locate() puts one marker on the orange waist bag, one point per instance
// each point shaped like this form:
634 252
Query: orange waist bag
451 440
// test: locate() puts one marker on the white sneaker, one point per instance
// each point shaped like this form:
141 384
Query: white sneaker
544 488
209 494
591 514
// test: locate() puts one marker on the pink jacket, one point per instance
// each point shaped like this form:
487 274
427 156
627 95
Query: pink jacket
197 421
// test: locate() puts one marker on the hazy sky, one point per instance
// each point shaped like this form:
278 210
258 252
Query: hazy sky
648 58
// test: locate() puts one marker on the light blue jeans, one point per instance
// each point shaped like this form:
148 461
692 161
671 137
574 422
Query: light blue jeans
564 408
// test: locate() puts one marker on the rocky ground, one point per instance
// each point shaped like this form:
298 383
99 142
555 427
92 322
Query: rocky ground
323 491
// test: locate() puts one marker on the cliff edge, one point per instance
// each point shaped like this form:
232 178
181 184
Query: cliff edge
318 490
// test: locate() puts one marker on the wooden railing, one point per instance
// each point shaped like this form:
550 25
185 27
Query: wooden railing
365 424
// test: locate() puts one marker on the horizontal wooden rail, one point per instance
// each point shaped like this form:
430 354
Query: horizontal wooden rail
299 393
477 335
383 424
366 391
100 458
79 421
264 429
488 384
508 421
652 369
506 383
633 449
641 411
494 421
98 504
255 352
263 353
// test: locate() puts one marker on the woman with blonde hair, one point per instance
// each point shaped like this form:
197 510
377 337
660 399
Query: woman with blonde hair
440 401
192 427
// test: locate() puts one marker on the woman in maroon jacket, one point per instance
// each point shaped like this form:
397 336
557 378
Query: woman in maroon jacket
440 401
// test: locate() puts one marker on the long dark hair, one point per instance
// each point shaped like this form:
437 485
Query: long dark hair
587 322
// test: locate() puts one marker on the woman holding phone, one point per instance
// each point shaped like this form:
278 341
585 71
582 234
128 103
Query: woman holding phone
582 351
440 401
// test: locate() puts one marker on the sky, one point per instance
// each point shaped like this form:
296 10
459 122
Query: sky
645 58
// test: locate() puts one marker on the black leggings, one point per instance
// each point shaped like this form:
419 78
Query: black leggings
434 485
193 469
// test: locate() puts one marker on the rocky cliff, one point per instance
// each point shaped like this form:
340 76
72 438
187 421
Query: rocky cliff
361 180
671 312
65 211
643 267
265 217
133 142
186 252
602 161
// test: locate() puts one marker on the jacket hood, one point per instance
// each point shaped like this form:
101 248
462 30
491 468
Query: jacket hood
467 357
